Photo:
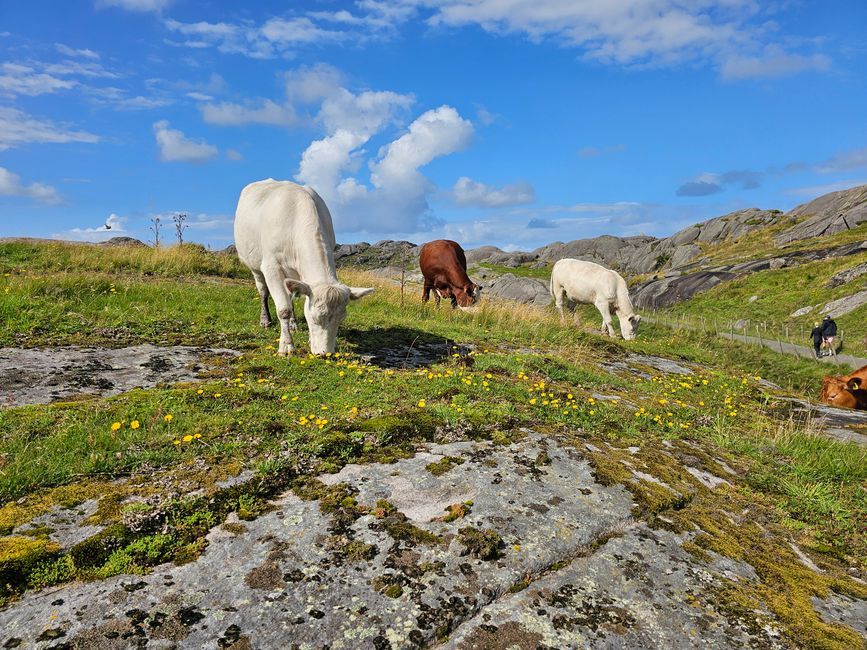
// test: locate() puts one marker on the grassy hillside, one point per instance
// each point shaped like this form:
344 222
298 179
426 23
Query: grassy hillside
287 419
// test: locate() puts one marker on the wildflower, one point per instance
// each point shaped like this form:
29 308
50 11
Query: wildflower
284 397
302 420
354 410
421 403
134 424
168 418
592 412
115 426
187 438
197 436
217 394
533 401
199 392
177 442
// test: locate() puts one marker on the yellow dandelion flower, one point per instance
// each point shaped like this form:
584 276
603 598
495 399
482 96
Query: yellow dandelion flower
115 426
177 442
168 418
134 424
218 394
533 401
187 438
284 397
199 392
197 436
421 403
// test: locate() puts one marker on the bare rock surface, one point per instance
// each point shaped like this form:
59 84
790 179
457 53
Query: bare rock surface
39 376
845 304
524 290
827 215
846 276
565 565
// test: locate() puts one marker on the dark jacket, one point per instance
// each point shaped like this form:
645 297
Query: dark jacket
829 328
817 334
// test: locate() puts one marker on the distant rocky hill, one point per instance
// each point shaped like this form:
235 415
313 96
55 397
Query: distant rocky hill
677 260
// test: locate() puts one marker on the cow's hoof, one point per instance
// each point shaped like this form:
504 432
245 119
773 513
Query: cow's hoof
264 323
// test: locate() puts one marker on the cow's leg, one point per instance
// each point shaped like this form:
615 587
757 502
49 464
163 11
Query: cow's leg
558 303
425 295
285 312
437 296
605 309
262 287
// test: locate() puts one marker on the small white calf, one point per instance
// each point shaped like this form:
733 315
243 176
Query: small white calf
586 282
283 232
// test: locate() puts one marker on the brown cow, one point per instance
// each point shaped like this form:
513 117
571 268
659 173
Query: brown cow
848 391
444 267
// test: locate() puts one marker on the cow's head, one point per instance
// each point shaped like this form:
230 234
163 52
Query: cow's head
629 326
324 310
843 391
468 296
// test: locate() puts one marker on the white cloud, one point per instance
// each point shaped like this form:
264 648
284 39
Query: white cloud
135 5
200 97
79 68
10 185
18 128
233 154
844 161
469 192
175 147
69 51
113 227
772 63
261 112
638 32
398 200
16 79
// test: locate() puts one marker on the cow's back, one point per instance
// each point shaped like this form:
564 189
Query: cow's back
585 281
285 222
442 256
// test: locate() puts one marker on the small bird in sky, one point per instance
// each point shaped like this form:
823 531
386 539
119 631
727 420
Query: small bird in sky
107 225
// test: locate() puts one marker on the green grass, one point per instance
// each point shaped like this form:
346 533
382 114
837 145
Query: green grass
522 270
279 416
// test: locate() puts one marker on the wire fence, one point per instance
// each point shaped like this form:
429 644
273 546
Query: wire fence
785 338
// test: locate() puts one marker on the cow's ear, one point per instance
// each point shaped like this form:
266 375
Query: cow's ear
296 286
355 293
635 319
854 383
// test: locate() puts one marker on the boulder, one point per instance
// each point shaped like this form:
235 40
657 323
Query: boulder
846 276
844 305
231 249
523 290
803 311
684 254
481 254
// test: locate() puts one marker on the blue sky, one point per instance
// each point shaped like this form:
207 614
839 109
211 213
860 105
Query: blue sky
506 122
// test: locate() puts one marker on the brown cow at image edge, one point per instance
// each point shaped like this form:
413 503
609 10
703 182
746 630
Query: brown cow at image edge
848 391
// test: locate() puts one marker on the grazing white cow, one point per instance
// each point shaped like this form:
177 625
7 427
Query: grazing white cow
283 232
586 282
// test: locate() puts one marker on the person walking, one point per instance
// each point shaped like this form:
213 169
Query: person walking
816 335
829 333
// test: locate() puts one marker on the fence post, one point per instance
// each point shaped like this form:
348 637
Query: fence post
759 332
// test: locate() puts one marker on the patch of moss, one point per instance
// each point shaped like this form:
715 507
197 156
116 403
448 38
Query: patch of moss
189 552
482 543
51 572
454 512
786 587
519 586
357 550
96 550
399 528
18 556
542 459
151 549
388 585
400 427
235 529
443 465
